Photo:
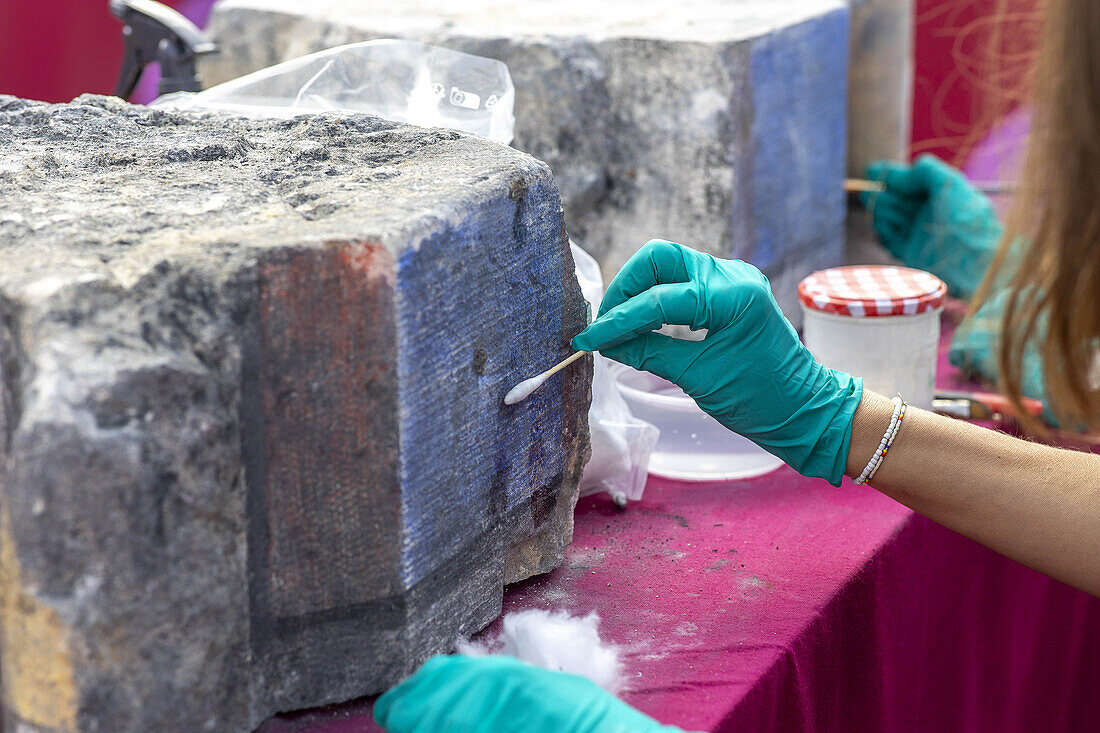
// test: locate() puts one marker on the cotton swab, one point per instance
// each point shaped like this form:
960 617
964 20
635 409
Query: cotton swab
527 386
860 185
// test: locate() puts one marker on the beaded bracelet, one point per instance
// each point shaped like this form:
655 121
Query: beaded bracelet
887 441
891 430
876 458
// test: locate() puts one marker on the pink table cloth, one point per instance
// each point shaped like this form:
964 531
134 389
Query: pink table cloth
781 603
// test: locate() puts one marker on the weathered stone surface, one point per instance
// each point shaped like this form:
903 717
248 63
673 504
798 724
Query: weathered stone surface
255 455
880 79
717 123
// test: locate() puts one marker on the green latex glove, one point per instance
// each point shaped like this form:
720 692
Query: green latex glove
975 346
751 372
501 694
931 218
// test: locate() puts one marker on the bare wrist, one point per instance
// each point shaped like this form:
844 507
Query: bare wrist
868 424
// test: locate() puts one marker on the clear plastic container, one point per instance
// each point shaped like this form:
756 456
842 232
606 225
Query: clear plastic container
693 446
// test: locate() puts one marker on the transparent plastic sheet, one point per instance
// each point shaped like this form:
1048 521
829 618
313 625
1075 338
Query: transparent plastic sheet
403 81
621 442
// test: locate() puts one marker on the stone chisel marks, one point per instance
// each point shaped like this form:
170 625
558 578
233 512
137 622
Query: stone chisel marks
254 451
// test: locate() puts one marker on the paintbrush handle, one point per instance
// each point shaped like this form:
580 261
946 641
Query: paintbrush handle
981 405
862 185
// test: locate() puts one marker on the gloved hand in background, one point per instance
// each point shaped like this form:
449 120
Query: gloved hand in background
931 218
751 372
975 350
504 695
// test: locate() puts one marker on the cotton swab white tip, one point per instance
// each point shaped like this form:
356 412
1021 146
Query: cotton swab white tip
523 389
527 386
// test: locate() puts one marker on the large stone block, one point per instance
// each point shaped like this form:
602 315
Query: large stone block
254 450
717 123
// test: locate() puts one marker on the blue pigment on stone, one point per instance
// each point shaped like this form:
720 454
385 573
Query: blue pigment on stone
799 97
466 458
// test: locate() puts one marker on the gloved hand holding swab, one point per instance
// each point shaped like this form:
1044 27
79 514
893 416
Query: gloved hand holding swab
527 386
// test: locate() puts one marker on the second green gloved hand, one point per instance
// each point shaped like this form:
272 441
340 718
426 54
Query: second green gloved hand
975 347
931 218
751 372
504 695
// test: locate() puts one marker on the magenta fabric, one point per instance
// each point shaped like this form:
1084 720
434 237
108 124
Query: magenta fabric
781 603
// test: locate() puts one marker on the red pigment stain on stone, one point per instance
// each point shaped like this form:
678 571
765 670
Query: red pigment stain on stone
329 393
366 257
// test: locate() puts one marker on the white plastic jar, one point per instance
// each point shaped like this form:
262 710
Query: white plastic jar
878 322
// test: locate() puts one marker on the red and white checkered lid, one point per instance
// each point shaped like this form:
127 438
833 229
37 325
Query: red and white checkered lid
872 290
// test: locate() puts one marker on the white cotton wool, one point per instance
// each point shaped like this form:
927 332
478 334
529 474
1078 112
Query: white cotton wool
555 640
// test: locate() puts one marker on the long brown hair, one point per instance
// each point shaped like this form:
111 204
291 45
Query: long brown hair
1054 300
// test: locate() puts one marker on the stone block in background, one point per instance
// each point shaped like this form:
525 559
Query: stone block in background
254 451
880 99
717 123
880 106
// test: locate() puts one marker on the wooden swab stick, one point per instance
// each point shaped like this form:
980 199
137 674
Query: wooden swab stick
862 185
527 386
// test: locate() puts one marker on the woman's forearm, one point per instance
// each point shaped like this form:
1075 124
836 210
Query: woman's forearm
1033 503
